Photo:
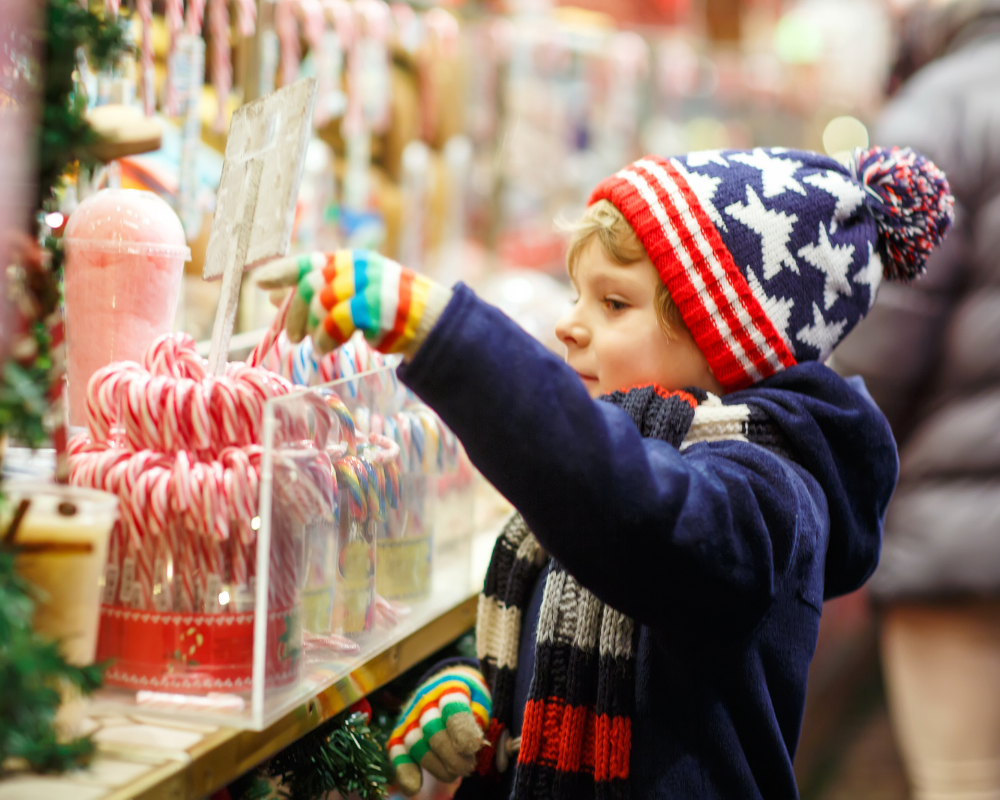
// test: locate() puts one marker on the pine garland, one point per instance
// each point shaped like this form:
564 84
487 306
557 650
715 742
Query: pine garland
345 755
65 134
63 138
31 668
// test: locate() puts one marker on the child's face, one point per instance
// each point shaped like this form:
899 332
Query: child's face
612 336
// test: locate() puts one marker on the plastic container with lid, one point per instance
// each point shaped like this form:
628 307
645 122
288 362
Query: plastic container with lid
63 541
125 254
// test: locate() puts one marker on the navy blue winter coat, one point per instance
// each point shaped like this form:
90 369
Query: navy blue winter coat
723 554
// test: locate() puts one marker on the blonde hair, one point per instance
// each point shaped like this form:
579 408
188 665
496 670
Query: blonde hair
604 223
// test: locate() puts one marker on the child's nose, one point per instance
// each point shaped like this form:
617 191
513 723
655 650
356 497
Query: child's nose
571 331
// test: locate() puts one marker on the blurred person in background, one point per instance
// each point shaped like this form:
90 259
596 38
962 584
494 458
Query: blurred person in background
930 353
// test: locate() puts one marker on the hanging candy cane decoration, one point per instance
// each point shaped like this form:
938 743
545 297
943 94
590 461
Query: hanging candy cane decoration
286 26
222 64
339 15
193 19
313 28
111 8
173 13
246 17
145 10
407 25
372 73
442 40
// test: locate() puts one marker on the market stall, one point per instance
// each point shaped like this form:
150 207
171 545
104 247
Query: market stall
238 537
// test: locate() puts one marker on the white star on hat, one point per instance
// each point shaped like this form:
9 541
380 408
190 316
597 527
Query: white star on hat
778 309
704 188
777 174
703 157
849 195
821 334
833 261
870 274
774 228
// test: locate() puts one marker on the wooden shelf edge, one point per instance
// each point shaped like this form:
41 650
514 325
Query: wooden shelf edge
225 755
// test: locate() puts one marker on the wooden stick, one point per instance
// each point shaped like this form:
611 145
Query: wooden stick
232 278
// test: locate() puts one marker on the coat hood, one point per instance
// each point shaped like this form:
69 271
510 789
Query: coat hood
838 434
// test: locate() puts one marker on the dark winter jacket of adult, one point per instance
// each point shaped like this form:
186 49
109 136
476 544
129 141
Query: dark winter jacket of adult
930 351
723 553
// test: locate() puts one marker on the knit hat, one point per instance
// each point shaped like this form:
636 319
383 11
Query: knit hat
772 256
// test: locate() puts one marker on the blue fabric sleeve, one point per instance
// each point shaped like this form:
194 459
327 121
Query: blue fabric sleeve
698 544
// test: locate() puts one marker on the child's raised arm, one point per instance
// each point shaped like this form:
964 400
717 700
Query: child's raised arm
682 541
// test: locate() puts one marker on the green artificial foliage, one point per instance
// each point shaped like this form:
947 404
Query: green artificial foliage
31 672
63 138
255 785
345 755
64 135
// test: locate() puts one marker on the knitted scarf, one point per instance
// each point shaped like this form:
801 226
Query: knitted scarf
576 736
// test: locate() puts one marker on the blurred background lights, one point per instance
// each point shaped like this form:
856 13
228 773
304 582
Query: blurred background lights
843 134
798 39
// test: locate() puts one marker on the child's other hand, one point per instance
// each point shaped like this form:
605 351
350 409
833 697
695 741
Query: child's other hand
338 293
441 728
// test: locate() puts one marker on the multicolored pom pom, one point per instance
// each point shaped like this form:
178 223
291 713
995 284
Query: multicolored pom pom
911 202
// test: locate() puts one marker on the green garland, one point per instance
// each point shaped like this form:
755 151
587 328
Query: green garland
345 755
349 753
64 137
65 134
31 669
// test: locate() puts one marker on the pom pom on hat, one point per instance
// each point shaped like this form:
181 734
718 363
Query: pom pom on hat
911 202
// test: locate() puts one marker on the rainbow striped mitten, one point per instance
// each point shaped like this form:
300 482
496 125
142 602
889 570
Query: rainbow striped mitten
338 293
441 728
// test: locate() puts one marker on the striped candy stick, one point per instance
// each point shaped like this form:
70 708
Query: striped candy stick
194 17
145 10
286 26
222 65
174 17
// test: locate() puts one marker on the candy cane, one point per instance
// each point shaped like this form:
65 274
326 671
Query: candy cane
286 26
246 17
222 65
174 17
193 20
313 27
145 10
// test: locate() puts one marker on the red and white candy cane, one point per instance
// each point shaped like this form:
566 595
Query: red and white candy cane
111 8
246 17
145 10
173 12
442 35
313 22
222 63
286 26
194 17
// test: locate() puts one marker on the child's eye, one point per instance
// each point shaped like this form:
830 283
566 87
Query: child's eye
615 305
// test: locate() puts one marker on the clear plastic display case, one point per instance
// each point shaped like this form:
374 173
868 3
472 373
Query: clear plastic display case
359 534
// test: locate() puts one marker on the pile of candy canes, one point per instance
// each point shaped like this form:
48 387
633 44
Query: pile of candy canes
182 450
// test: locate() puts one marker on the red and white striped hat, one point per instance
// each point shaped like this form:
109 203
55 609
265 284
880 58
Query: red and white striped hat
772 256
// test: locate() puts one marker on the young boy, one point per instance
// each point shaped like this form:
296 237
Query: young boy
692 482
